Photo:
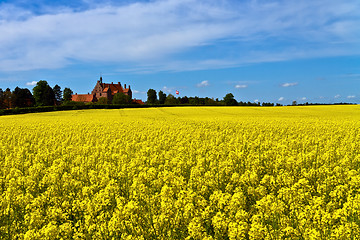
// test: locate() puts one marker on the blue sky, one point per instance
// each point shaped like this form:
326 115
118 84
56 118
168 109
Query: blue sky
267 51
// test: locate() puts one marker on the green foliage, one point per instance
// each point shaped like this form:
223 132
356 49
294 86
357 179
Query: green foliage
267 104
102 100
43 94
22 97
195 101
210 101
7 99
162 97
171 100
151 96
230 100
121 98
57 93
2 99
72 103
184 100
67 94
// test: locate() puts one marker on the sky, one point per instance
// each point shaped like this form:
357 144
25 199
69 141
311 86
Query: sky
259 50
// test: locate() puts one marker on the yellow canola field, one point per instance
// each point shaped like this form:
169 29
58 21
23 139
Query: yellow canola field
182 173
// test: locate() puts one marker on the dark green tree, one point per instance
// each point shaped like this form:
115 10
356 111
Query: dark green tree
1 98
43 94
151 96
102 100
22 97
57 93
210 101
162 97
184 100
171 100
229 100
194 100
121 98
67 94
8 98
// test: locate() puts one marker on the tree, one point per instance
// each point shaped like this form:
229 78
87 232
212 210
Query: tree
22 97
171 100
209 101
151 96
7 98
1 98
230 100
162 97
194 100
294 103
43 94
57 93
103 100
121 98
184 100
267 104
67 94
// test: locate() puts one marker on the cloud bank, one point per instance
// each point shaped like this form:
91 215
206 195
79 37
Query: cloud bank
238 86
169 34
203 84
289 84
33 83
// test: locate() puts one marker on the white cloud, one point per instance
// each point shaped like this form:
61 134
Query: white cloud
138 92
33 83
151 33
203 84
337 96
168 89
281 99
241 86
351 96
350 75
303 98
289 84
256 100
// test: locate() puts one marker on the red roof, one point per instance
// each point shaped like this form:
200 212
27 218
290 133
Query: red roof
138 101
114 88
82 98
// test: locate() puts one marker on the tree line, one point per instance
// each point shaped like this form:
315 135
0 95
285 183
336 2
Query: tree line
45 95
228 100
41 95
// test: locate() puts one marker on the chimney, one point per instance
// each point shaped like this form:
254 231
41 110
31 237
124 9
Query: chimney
112 83
119 83
129 86
100 79
75 93
125 86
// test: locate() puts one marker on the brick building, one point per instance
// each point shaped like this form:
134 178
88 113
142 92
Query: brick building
107 90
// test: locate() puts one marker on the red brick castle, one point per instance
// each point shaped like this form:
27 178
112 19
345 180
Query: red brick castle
107 90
